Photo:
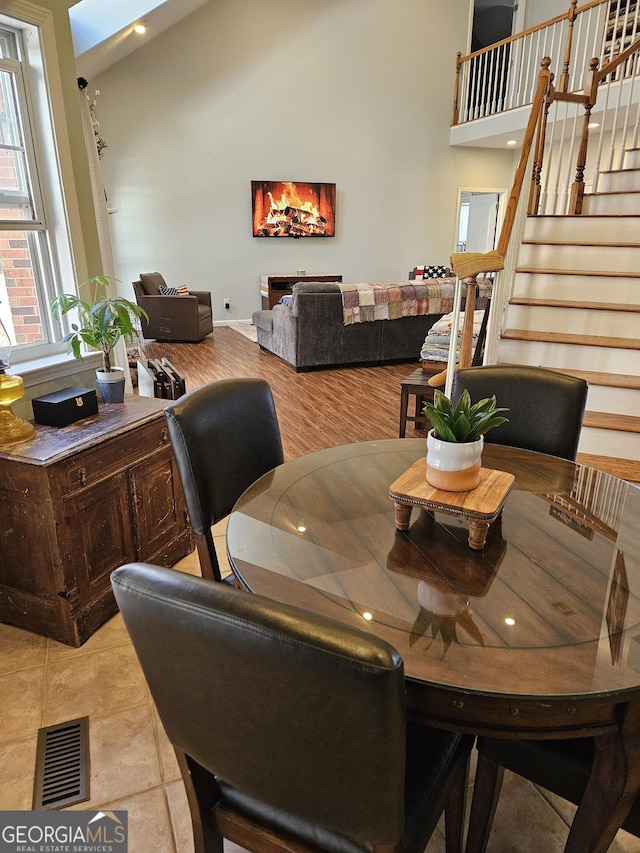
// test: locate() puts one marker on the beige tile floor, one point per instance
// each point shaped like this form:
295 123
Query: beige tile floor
132 764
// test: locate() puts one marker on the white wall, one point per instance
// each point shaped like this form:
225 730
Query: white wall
358 92
533 12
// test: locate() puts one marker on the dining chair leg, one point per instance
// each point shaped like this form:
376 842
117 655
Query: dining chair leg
202 794
404 404
454 812
486 792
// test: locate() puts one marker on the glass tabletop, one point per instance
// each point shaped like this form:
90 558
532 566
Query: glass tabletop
549 608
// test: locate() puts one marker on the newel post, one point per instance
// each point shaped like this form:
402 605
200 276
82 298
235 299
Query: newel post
541 132
563 84
456 91
577 188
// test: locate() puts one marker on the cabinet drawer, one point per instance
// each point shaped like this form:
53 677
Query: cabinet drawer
107 458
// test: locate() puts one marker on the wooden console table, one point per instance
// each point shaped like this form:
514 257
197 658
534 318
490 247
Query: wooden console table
77 503
274 287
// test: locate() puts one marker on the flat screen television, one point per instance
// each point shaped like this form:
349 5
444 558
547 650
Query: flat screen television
293 209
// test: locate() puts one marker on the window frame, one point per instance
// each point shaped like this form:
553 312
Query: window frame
56 234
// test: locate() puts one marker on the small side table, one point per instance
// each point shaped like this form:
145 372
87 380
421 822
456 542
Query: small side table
274 287
417 385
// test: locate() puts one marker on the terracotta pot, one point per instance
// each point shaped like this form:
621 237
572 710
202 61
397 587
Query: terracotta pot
453 466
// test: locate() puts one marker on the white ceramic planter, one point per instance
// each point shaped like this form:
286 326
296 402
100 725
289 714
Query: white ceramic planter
442 600
453 466
111 385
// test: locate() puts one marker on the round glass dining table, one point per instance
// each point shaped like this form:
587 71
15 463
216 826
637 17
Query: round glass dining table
537 635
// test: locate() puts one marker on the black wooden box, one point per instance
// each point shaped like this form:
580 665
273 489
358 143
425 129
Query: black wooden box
65 406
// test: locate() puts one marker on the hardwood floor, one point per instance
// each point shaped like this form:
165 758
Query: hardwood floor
322 408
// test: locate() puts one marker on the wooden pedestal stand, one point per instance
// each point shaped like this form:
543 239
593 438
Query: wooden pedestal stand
480 506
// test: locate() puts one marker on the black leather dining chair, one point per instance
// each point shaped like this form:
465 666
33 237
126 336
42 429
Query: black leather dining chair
225 436
321 756
546 407
559 766
545 414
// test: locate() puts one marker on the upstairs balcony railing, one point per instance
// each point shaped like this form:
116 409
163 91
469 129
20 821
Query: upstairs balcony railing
504 75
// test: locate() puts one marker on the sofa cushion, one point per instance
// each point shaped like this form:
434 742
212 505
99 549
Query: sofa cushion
314 287
152 282
263 320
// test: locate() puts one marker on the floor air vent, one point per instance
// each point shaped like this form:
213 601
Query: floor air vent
62 765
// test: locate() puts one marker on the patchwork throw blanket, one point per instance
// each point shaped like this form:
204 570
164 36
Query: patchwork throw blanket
362 303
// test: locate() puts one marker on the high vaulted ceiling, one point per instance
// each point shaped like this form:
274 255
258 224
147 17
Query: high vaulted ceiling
103 31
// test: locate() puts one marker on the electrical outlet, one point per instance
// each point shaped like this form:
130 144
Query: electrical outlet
227 304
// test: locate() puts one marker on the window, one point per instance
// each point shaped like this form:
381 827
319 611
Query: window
29 251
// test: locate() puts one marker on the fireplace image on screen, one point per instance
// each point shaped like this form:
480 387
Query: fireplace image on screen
288 209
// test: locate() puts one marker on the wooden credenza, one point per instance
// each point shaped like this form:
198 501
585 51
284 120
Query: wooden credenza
78 502
274 287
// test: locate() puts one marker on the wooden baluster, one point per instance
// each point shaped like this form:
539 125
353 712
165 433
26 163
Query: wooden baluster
563 85
577 187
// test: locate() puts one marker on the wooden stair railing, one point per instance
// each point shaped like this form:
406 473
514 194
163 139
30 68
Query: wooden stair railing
593 79
468 265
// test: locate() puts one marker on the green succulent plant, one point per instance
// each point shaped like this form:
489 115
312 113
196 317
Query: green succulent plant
101 322
463 421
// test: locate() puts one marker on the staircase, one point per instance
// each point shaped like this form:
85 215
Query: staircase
575 307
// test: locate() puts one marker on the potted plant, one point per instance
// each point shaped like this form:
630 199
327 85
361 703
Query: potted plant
454 444
101 322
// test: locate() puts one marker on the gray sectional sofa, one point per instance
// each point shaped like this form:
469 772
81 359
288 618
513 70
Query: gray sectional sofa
310 331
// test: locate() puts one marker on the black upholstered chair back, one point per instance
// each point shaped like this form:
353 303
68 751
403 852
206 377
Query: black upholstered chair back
317 710
225 436
545 407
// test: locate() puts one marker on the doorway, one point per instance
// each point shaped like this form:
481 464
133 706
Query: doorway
479 219
493 21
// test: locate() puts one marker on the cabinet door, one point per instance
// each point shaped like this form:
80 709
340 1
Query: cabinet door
162 532
99 534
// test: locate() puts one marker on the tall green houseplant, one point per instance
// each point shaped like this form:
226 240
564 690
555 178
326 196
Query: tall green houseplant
101 322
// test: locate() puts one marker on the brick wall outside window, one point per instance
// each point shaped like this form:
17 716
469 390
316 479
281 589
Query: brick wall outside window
15 263
16 267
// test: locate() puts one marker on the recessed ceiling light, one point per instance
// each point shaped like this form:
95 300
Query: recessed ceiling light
140 29
512 141
593 124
